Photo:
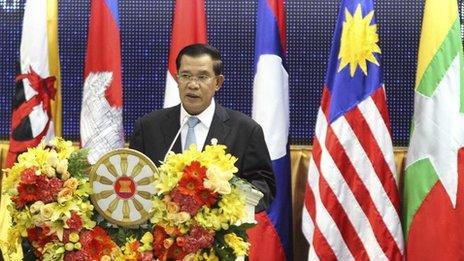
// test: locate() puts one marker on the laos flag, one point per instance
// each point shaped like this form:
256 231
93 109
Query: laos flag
271 111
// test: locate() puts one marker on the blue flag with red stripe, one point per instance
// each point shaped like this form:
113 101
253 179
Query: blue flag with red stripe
271 111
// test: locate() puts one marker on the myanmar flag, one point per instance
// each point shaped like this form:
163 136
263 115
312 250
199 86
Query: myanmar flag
434 180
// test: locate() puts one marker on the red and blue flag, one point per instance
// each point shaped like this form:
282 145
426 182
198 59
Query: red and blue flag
271 111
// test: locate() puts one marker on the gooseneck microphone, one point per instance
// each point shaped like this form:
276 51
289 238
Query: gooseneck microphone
184 121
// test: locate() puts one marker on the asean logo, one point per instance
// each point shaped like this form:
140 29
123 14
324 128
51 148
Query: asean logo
122 184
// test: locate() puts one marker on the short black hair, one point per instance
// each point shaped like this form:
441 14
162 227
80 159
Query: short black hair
197 50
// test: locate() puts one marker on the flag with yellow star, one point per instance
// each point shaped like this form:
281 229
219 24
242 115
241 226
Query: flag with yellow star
352 206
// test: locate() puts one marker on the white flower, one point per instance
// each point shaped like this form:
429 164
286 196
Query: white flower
35 208
52 158
62 166
218 180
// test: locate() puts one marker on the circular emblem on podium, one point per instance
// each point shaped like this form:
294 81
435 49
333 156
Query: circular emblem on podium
122 185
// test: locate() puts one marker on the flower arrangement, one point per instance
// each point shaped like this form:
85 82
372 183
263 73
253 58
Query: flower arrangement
196 212
198 206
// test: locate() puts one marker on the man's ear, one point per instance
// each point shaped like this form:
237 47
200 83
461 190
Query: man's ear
176 77
219 81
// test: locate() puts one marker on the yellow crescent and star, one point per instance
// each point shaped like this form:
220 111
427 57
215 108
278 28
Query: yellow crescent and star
358 41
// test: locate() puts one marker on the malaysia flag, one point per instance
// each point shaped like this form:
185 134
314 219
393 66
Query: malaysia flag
271 111
352 206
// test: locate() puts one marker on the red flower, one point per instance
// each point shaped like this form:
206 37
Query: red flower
207 197
159 235
27 193
44 193
38 236
176 252
77 256
97 243
187 203
28 176
56 185
196 170
74 222
190 184
198 238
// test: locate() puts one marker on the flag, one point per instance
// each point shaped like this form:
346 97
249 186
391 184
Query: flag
271 111
433 193
37 99
101 114
351 205
188 27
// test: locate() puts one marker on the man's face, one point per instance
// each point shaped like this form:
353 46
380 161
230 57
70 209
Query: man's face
197 83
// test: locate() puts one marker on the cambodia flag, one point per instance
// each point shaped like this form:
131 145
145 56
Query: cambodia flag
271 111
188 27
101 115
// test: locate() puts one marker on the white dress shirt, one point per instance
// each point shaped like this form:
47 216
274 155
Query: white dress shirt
202 128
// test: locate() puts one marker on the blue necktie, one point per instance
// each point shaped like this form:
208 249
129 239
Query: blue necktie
191 139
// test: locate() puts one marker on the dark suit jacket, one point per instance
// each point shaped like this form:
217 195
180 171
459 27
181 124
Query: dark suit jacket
244 138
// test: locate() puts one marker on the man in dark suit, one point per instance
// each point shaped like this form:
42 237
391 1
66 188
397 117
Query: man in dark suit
200 119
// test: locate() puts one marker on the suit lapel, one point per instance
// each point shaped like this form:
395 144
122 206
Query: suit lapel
170 127
219 128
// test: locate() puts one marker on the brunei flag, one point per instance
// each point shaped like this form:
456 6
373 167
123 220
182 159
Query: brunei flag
101 114
37 101
271 111
433 198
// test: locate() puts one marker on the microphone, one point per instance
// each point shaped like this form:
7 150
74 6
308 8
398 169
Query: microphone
184 121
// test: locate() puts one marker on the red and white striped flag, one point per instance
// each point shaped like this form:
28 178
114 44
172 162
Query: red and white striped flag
101 114
351 207
188 27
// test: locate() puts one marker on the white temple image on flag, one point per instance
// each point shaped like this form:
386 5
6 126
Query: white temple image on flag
101 113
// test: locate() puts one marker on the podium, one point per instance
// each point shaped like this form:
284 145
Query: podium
122 183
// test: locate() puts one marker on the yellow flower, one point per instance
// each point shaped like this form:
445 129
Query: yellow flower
71 183
211 256
237 243
168 242
147 242
66 175
172 207
218 180
46 212
65 194
48 170
63 147
74 237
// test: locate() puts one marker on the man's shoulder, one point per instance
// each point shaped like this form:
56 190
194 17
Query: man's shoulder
159 114
240 117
